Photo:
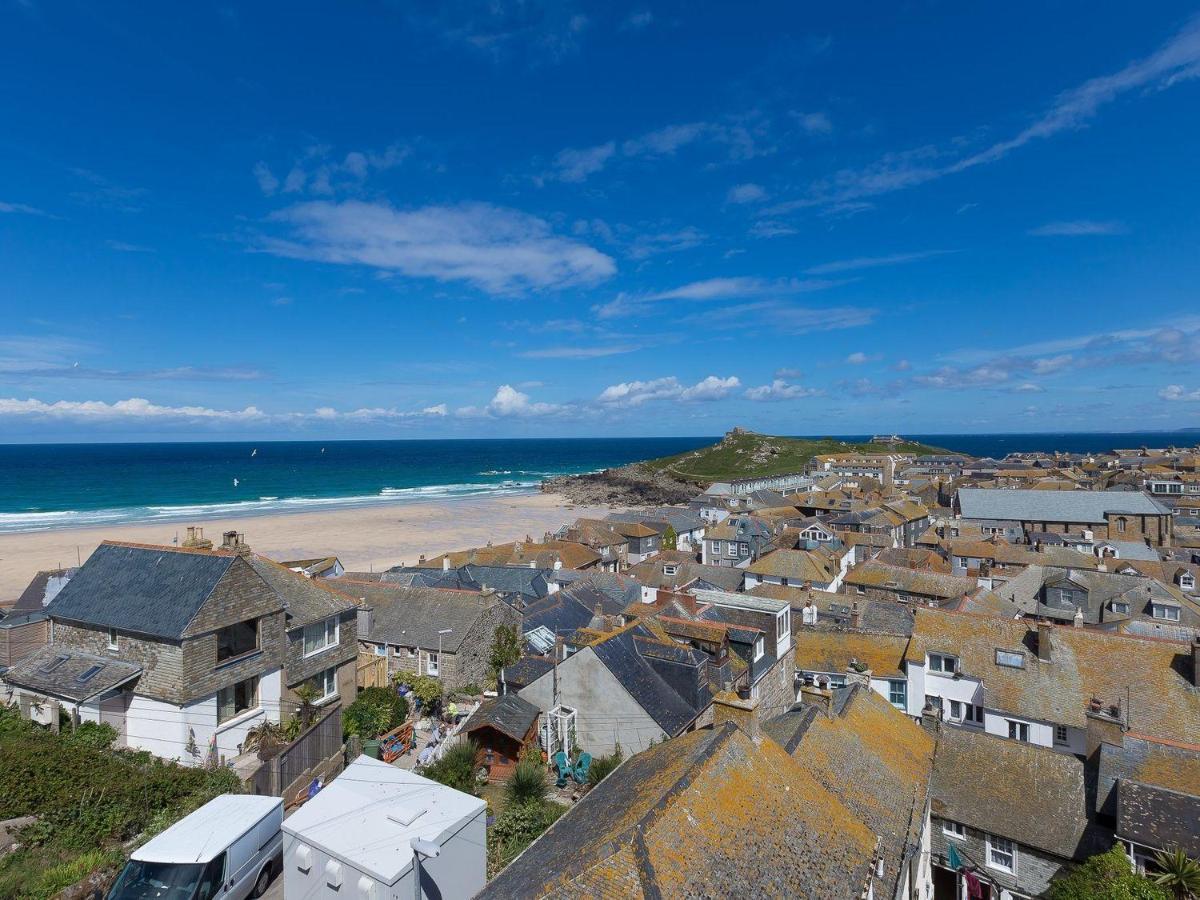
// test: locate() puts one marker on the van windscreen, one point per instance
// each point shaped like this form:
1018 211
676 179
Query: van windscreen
141 880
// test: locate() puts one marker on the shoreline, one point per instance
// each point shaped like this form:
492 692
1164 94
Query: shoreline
364 537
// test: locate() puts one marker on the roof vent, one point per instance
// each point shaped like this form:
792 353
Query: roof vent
406 815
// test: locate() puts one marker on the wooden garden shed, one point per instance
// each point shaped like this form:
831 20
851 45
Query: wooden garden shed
502 727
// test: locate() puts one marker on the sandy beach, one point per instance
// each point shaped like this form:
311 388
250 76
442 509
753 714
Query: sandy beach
363 538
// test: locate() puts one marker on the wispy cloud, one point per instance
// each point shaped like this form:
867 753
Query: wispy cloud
574 166
746 193
1174 392
319 171
784 317
107 194
1078 228
1175 61
651 244
498 250
814 123
24 209
712 289
137 409
581 352
872 262
125 247
537 30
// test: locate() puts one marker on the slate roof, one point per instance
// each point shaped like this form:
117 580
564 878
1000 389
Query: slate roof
560 612
1159 818
69 673
144 589
650 572
878 763
619 588
1054 506
1150 677
879 575
662 702
709 814
412 616
525 671
511 715
306 600
1162 764
33 598
1016 790
832 651
512 581
798 565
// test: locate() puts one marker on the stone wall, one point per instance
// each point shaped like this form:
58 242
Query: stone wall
1034 868
203 675
297 669
161 661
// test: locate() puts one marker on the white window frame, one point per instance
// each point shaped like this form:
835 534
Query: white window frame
1169 613
1120 608
1010 659
670 569
716 548
1021 729
112 639
432 663
992 848
328 639
942 659
955 830
327 677
760 650
380 649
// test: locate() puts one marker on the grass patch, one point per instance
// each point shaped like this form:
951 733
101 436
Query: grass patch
747 455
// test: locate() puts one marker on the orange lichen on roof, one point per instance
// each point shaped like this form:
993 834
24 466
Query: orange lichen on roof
832 651
170 548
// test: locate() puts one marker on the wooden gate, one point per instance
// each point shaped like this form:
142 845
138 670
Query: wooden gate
372 671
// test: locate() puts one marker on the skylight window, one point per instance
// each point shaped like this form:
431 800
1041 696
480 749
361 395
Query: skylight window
53 664
89 673
1010 658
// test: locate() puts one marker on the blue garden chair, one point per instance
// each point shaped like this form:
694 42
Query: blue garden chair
580 772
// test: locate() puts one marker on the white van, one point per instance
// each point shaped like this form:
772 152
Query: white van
225 850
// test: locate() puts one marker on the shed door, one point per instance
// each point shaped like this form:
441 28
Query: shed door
112 712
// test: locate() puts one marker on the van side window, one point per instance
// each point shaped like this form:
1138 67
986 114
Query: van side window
212 880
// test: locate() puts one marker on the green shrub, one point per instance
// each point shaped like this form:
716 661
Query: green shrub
89 800
516 828
1105 876
603 765
456 768
528 782
376 711
426 688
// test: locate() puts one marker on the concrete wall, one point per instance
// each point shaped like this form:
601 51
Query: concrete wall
607 714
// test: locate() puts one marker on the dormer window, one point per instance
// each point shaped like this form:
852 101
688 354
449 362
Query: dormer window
759 648
1164 612
941 662
1120 608
670 570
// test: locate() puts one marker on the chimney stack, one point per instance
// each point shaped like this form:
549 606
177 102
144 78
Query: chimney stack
1043 641
741 711
421 560
445 563
819 697
195 539
231 540
855 616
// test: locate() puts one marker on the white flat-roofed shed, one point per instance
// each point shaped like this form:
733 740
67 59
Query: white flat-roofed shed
353 840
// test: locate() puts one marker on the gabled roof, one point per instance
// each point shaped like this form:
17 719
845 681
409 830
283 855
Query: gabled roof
832 651
624 659
1015 790
511 714
798 565
43 588
878 763
412 617
872 574
306 600
142 588
709 814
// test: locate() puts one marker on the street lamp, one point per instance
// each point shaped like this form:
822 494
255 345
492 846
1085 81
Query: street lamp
444 631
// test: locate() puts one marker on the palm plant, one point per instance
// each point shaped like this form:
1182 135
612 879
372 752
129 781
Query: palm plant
1178 873
528 782
264 737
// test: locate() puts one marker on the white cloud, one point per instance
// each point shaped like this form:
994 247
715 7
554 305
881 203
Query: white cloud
133 408
22 208
1175 392
508 402
711 388
712 289
1027 387
636 393
1078 228
496 249
569 352
638 20
816 123
1052 364
647 245
267 182
779 389
858 358
575 166
746 193
665 141
124 247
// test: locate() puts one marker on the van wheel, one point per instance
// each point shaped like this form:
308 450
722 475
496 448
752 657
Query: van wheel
264 881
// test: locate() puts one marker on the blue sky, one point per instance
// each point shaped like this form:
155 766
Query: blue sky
527 219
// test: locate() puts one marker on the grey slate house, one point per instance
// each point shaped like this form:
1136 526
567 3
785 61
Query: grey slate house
1111 515
627 688
204 632
515 585
431 631
321 633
